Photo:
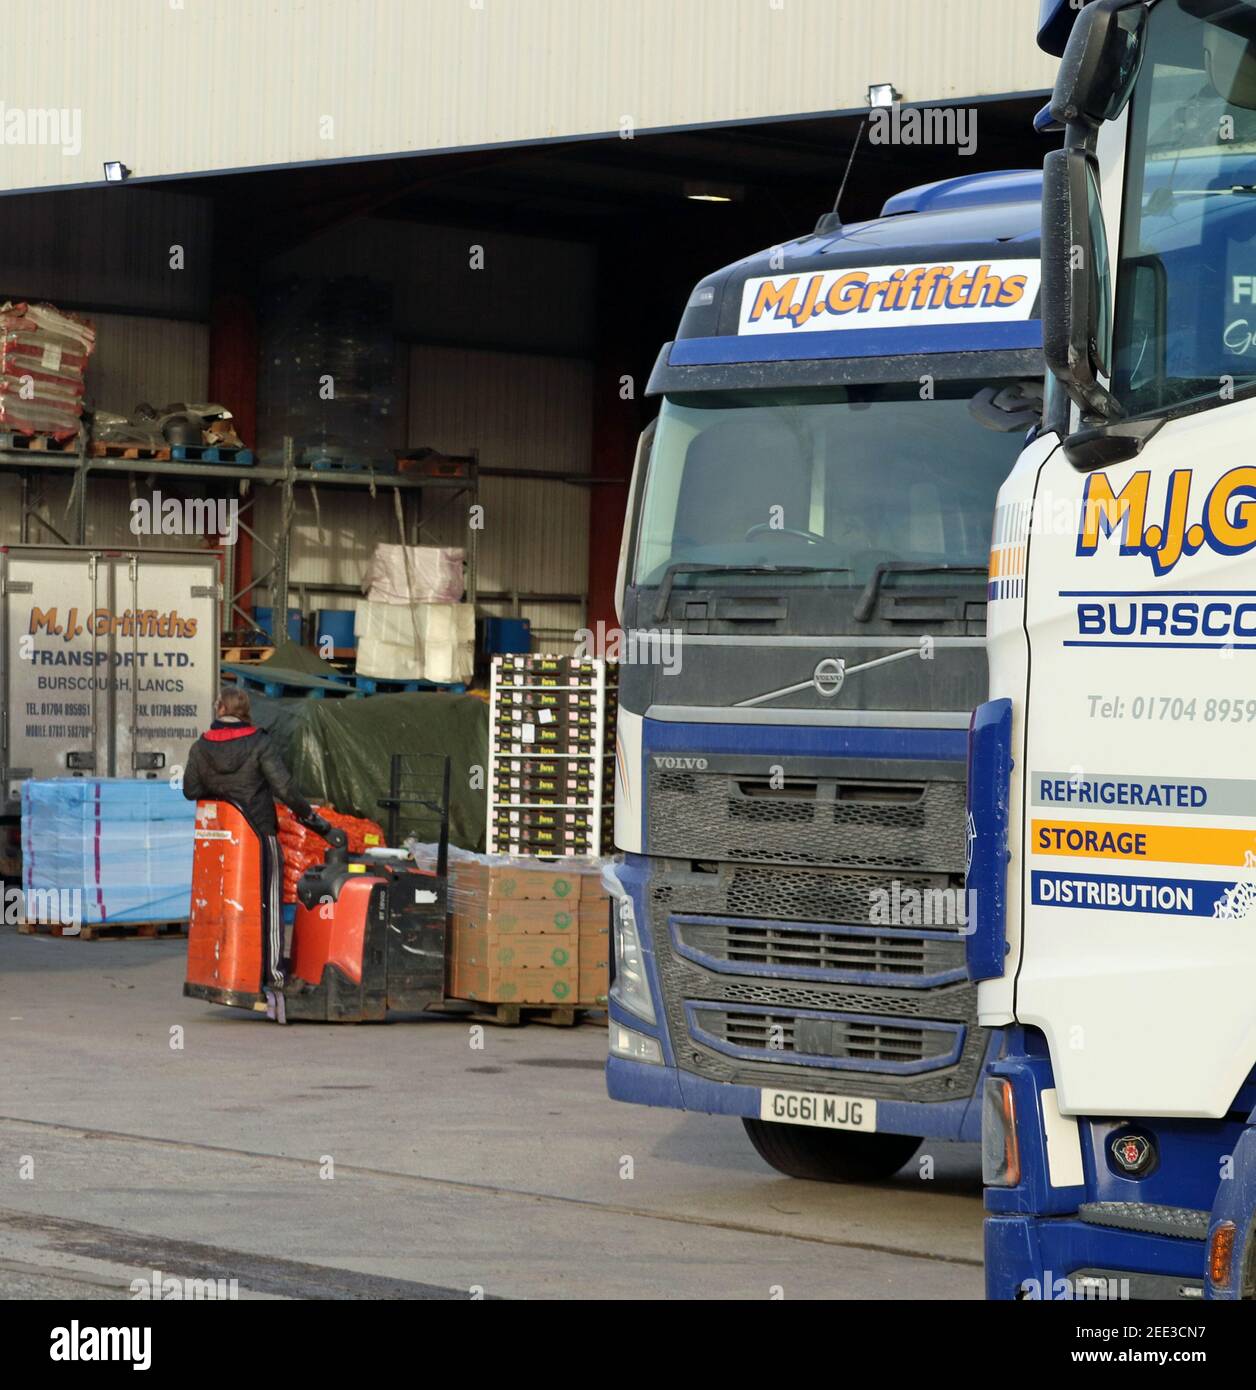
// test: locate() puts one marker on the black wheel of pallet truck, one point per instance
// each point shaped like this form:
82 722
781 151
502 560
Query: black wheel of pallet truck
829 1155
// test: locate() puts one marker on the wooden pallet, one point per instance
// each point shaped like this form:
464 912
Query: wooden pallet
37 443
245 656
106 931
133 452
512 1015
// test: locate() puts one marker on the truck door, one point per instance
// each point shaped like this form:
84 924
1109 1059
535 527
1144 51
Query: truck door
55 667
165 658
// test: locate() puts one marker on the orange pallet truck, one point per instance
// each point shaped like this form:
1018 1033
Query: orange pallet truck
370 929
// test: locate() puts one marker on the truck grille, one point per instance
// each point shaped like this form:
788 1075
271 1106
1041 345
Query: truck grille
743 950
798 949
831 1039
746 819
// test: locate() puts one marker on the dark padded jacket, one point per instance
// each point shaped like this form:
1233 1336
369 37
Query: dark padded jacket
238 763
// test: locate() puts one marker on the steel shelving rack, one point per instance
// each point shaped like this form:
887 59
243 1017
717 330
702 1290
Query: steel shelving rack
428 497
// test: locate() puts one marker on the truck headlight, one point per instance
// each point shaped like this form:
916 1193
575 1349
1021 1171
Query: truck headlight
636 1047
1000 1146
631 989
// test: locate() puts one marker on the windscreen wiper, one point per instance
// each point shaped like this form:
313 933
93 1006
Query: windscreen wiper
686 567
868 599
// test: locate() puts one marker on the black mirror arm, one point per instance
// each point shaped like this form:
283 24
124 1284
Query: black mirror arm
1101 446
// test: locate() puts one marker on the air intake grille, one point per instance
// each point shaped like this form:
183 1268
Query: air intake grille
889 1044
768 947
720 815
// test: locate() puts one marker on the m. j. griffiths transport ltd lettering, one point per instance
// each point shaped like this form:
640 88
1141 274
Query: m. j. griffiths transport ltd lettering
890 296
1226 516
101 622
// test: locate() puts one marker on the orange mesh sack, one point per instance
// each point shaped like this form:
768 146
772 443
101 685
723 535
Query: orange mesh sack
302 847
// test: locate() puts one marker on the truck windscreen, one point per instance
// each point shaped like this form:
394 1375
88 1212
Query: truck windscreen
1186 272
820 487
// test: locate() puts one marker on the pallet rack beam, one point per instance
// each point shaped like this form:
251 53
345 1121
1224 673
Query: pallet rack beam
285 475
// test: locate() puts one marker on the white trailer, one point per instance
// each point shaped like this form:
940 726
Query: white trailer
108 661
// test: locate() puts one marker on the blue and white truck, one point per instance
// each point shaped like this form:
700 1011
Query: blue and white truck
803 591
1113 772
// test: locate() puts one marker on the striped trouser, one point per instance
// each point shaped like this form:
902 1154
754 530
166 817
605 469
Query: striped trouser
272 915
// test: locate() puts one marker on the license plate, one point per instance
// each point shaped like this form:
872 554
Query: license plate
825 1112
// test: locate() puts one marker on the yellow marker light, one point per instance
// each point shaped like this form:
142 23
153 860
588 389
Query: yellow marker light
1221 1254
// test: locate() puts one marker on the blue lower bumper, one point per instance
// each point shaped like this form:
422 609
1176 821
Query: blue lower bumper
1033 1257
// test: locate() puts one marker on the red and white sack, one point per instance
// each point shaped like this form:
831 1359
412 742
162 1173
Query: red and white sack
43 364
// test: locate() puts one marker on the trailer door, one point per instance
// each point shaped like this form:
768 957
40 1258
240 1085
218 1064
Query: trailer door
55 666
165 639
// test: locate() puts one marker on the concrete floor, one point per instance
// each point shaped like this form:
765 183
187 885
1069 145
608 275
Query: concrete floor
401 1161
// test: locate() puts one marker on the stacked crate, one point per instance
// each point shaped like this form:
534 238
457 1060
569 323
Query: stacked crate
551 760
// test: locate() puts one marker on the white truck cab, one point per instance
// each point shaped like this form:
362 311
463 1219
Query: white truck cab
1113 772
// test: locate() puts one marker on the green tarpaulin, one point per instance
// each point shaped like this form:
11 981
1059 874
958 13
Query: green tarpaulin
339 752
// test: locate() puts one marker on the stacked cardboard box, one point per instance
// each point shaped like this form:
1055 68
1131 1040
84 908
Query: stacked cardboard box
515 934
527 933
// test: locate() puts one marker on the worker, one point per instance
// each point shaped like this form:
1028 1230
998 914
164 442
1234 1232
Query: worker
235 761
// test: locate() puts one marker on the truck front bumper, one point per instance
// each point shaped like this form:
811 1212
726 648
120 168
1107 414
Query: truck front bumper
640 1083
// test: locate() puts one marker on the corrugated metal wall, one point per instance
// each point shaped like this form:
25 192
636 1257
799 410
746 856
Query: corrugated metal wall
158 361
520 411
172 89
107 248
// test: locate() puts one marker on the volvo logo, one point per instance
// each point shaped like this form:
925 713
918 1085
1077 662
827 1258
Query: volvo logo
829 676
681 764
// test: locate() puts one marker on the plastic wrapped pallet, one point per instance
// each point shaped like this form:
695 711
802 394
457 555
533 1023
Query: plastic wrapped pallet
523 932
43 359
119 850
421 641
415 574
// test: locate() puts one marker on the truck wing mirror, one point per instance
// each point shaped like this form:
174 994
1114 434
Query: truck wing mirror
1076 291
1100 62
1005 409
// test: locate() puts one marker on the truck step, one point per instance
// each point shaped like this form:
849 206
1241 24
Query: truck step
1184 1222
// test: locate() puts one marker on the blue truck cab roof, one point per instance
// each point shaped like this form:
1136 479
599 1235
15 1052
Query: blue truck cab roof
947 270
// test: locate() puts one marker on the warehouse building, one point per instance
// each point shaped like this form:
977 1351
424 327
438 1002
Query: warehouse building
487 260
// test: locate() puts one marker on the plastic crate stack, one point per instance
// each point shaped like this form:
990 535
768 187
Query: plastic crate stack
552 760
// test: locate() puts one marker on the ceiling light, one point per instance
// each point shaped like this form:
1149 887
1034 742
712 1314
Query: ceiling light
714 192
